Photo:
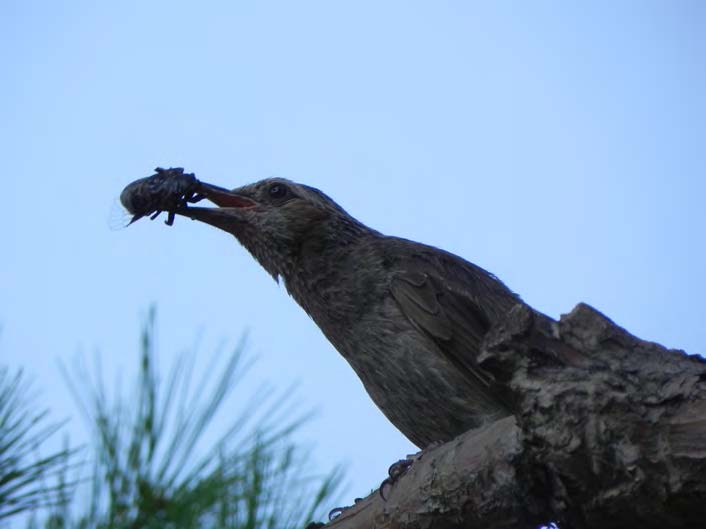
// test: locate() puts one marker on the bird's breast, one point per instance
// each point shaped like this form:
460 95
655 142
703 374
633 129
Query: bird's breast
408 377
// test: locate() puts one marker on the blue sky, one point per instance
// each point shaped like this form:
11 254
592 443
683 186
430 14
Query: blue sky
561 145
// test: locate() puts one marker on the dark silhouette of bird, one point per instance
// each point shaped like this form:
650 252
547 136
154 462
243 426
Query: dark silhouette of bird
409 318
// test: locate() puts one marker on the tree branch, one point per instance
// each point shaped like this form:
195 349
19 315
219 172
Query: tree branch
609 431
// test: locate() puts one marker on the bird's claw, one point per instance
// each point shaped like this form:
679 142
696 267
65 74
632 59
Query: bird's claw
335 513
395 472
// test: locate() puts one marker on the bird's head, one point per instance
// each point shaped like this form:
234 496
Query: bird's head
276 220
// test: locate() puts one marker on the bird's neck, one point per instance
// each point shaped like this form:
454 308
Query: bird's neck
328 276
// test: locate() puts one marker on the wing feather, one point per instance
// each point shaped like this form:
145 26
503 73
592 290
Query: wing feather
453 302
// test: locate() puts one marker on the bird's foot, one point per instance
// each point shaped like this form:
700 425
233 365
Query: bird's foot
401 467
338 511
395 472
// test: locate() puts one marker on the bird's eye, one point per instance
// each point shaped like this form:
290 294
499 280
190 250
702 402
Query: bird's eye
277 191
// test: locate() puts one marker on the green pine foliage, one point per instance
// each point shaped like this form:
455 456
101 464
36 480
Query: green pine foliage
155 466
25 475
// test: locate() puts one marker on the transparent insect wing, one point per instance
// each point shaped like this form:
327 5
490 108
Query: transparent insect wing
118 217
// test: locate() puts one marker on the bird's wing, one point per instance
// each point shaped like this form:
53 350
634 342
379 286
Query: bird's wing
442 298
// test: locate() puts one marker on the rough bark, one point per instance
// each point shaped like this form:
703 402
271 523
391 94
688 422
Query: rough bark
609 431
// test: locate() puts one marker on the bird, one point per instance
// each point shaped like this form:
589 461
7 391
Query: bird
409 318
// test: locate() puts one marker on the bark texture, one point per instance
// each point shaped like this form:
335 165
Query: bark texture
608 431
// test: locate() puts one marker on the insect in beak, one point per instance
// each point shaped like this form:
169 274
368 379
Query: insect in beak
172 190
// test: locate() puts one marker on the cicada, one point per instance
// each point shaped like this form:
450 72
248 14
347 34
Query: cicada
166 190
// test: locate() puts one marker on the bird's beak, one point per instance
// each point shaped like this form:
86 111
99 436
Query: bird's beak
229 210
224 198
